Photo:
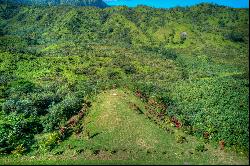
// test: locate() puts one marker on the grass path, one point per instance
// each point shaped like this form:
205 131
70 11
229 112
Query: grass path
114 133
114 126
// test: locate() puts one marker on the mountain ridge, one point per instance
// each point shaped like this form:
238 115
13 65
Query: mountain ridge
97 3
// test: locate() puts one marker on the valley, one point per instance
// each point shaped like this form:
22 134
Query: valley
120 85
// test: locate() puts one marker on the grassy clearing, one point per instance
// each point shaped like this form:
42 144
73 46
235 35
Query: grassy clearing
114 133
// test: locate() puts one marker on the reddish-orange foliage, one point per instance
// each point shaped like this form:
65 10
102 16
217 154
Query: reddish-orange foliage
222 144
206 135
139 94
176 122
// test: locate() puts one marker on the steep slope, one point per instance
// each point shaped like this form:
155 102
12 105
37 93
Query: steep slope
97 3
118 28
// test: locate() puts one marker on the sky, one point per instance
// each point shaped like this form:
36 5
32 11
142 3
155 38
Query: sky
174 3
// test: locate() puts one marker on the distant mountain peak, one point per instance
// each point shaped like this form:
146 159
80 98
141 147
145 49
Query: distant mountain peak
97 3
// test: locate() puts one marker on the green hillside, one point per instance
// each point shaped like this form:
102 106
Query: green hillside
96 3
115 130
185 69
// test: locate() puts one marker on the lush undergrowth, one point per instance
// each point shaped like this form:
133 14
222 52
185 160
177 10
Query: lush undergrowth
119 128
194 61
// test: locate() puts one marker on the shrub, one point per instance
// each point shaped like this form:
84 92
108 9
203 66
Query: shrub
16 130
19 150
49 141
235 37
20 87
42 101
114 74
129 69
180 139
200 148
62 111
217 106
19 106
4 79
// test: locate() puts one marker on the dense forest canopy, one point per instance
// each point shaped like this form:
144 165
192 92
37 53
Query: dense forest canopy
97 3
172 4
193 60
